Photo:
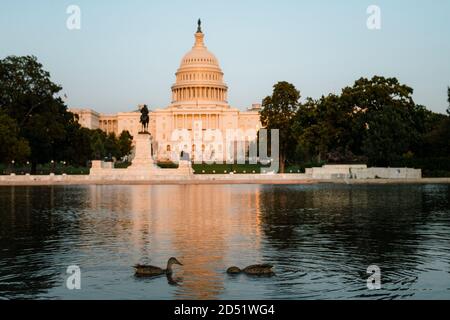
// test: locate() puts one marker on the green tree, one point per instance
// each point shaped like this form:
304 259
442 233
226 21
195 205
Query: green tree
98 138
112 147
13 147
125 144
383 126
388 136
278 112
108 145
375 120
29 97
436 136
78 149
324 129
437 141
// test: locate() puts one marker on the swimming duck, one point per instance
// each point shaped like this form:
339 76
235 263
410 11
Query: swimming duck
257 269
151 271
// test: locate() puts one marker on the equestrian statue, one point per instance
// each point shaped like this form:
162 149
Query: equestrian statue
145 119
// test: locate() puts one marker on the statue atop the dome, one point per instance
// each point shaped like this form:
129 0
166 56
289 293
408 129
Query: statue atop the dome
145 119
199 29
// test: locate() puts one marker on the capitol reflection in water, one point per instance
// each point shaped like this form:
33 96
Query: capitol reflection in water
207 228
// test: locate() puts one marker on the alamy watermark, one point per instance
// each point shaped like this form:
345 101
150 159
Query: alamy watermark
374 280
73 281
73 22
374 19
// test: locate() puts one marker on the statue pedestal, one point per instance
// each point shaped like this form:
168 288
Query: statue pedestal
143 154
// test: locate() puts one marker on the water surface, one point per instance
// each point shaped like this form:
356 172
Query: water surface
321 238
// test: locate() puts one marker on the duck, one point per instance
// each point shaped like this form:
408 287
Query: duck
257 269
152 271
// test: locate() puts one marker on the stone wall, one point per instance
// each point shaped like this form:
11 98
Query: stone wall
386 173
331 172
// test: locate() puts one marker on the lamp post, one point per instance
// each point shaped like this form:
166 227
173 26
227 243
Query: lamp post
64 167
52 167
28 169
13 171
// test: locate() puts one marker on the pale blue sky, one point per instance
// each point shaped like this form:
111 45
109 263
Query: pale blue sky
127 52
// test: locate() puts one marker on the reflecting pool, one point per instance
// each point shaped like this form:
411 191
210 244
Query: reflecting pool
320 238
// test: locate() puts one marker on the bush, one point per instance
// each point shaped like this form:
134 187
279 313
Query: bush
167 165
22 169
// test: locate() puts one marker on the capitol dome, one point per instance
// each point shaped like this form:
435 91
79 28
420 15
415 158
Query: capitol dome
199 79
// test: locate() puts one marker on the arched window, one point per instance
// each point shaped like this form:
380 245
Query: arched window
168 148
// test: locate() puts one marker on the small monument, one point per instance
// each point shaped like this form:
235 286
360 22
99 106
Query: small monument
143 148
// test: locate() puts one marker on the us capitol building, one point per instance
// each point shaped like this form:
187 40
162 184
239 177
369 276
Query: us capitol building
199 95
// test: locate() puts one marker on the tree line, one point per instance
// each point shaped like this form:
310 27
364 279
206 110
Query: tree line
36 126
375 122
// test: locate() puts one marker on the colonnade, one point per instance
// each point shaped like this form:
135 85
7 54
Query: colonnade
201 93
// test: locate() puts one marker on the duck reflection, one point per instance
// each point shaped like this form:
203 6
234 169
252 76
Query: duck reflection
174 280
